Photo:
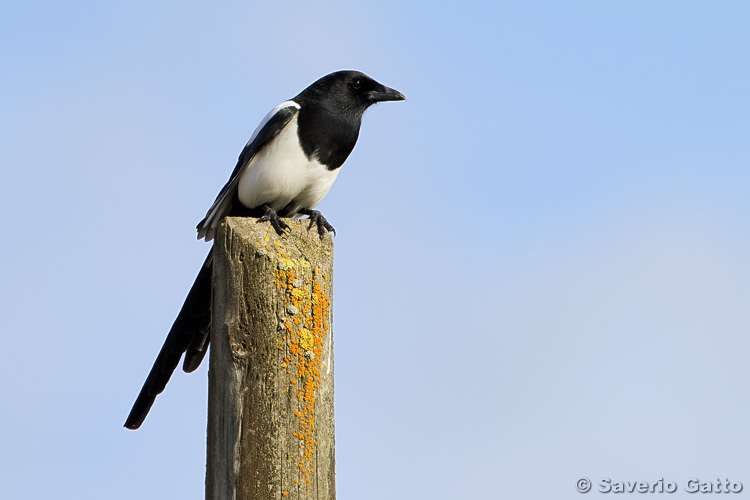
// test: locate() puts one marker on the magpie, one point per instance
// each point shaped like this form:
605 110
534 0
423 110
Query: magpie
286 168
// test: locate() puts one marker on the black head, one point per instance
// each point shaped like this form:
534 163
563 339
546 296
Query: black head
348 91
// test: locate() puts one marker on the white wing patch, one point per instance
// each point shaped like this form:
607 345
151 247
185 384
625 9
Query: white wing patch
267 118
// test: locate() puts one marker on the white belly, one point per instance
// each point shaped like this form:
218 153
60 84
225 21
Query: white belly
281 173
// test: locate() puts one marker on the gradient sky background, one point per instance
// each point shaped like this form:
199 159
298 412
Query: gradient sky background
542 260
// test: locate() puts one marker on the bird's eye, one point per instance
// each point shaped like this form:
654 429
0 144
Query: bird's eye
356 83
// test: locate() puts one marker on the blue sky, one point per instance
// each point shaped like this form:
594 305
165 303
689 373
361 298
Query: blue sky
542 259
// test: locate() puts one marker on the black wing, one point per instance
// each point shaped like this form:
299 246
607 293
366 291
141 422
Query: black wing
269 128
190 332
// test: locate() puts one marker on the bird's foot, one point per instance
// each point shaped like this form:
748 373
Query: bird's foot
317 219
271 216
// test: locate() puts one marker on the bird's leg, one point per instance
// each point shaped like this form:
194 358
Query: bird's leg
271 216
317 219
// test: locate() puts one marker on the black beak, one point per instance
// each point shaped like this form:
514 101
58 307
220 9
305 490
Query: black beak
386 94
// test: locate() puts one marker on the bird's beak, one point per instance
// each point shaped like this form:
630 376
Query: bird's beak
386 94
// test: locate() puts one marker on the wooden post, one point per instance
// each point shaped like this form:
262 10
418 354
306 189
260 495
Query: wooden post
270 380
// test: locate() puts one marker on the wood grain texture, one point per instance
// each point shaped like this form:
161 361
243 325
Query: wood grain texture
270 409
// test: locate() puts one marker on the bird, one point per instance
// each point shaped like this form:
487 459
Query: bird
285 170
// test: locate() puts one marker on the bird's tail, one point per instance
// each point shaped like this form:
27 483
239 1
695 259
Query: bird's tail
189 334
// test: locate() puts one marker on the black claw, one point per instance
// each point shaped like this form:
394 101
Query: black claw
317 219
271 216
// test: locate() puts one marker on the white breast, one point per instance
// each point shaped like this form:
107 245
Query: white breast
281 173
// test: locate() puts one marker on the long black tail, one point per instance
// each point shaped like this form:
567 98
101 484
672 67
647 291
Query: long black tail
189 335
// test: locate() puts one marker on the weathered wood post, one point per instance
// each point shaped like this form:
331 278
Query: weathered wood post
270 396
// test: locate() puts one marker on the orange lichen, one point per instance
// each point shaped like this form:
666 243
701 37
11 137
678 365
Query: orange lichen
304 316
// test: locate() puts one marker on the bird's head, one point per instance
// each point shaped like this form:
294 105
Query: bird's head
350 90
